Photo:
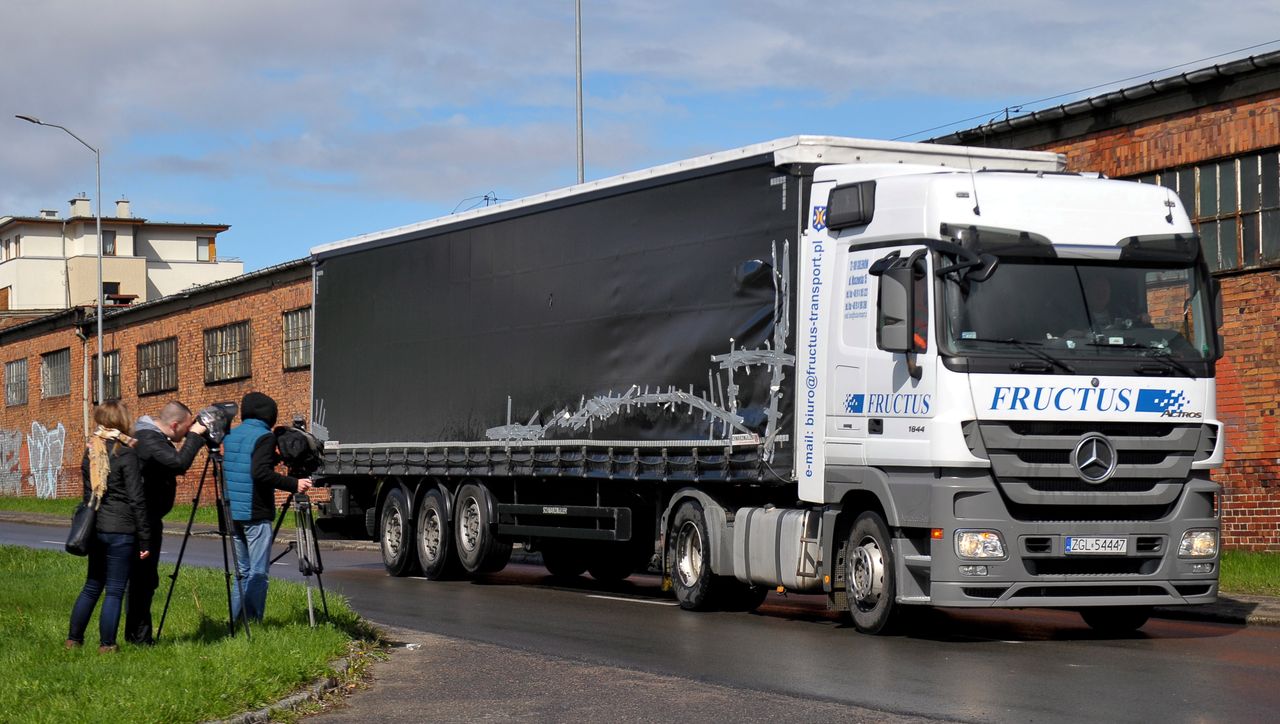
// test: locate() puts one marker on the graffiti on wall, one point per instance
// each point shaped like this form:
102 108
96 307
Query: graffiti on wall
10 472
44 448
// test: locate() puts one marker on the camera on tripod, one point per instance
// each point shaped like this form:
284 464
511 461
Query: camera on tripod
301 451
217 419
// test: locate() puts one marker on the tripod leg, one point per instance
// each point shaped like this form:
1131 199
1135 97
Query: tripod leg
227 528
182 549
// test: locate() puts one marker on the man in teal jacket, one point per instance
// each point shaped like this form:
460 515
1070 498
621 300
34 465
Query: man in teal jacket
249 464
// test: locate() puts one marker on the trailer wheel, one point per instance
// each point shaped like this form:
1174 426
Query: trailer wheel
869 575
479 549
396 535
1116 619
563 559
691 575
434 538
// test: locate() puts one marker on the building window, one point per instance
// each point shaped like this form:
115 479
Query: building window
108 243
110 376
1235 205
297 339
15 382
226 353
55 374
158 366
205 248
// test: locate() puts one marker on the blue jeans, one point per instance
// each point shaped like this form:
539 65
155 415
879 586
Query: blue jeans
109 559
252 541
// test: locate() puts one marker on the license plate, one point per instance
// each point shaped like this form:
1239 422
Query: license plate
1105 546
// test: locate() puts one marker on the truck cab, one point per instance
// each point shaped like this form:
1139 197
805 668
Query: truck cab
1011 374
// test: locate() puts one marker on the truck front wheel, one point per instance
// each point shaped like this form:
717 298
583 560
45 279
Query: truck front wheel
869 575
479 548
434 538
396 535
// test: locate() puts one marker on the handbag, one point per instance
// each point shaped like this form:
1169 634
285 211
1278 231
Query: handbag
82 525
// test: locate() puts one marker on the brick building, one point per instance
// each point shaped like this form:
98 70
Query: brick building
212 343
1212 136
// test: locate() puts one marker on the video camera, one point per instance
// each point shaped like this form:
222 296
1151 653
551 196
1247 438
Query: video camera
301 451
217 420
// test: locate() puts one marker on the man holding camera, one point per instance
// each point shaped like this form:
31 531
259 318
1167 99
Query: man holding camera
161 464
249 464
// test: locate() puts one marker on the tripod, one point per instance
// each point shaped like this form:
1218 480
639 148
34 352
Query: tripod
304 544
225 531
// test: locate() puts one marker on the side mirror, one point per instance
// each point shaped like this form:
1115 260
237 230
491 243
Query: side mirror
894 310
902 306
1218 318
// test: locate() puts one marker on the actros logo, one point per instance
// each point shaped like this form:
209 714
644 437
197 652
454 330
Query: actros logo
1169 403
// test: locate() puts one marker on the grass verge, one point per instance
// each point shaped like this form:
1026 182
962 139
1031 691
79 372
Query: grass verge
64 507
195 673
1250 572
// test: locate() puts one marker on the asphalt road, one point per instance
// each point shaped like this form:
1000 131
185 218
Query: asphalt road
1029 665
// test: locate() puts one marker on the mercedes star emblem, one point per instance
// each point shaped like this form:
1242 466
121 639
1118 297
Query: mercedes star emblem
1094 458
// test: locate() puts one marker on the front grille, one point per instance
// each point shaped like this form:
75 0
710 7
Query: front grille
984 592
1032 464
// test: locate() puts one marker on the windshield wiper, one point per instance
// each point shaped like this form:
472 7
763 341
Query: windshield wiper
1030 347
1166 358
1159 354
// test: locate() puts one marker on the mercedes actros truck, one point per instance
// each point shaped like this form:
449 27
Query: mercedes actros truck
892 374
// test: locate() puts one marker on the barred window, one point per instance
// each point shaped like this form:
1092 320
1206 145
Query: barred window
55 373
110 376
1235 205
15 382
158 366
226 353
297 339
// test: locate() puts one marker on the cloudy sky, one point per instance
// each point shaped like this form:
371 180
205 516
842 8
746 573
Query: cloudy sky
300 122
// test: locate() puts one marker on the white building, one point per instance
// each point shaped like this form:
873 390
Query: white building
50 262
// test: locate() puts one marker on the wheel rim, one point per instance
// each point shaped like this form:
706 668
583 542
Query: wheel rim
393 533
431 534
689 554
470 529
867 574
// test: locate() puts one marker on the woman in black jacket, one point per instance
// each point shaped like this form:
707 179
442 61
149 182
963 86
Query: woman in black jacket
122 531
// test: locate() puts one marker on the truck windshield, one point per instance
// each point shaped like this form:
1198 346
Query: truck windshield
1076 311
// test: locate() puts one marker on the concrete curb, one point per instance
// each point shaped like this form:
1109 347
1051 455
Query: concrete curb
315 692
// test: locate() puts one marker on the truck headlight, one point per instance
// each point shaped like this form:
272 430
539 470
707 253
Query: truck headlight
1201 543
979 544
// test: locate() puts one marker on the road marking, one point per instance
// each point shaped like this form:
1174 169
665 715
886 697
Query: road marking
54 542
633 600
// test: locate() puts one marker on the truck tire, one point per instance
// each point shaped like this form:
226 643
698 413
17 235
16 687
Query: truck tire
869 575
1116 619
691 577
564 559
395 535
610 563
479 549
434 538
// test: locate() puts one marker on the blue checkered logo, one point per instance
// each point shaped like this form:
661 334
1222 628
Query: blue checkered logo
1161 401
853 404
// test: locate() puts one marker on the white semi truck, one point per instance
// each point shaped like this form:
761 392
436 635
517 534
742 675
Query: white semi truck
894 374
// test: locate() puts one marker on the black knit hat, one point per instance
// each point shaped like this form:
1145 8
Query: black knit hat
257 406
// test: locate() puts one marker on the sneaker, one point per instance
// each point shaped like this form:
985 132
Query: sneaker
72 644
108 649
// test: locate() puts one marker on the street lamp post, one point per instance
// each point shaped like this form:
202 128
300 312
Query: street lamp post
97 157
